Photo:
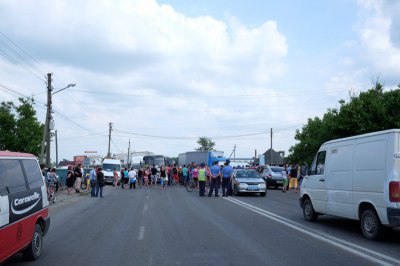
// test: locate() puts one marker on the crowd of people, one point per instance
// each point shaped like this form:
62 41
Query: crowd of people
153 176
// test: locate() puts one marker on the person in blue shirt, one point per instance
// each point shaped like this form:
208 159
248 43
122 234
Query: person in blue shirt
215 172
227 173
93 179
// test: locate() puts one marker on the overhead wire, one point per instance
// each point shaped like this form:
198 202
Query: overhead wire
263 95
14 56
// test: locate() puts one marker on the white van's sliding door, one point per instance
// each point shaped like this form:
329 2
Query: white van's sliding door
339 180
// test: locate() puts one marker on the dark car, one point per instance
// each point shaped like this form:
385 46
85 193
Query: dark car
273 176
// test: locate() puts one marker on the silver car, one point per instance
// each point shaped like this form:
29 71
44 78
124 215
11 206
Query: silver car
248 181
273 176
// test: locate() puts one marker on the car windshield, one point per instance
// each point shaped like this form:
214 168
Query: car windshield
247 174
110 167
277 169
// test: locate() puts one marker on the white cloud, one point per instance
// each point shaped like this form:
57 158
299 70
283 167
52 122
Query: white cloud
378 31
170 73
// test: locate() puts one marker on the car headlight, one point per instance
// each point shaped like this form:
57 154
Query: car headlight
262 185
242 185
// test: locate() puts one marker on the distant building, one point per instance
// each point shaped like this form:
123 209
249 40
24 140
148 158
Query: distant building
278 157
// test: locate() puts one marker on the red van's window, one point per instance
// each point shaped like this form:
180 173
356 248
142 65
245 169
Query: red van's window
33 174
11 172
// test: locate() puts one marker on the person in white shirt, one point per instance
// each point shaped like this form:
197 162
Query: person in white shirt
132 178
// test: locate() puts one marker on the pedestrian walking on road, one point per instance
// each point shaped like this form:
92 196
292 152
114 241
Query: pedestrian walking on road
175 175
195 175
93 180
78 177
227 173
284 179
146 177
115 173
100 182
154 174
293 183
215 174
140 177
126 179
185 175
202 177
132 179
70 179
163 177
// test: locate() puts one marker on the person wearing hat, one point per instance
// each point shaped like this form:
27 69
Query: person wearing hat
227 173
202 175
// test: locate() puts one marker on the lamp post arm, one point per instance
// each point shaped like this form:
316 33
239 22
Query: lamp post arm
69 85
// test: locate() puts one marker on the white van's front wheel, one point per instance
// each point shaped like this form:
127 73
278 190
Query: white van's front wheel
370 225
308 211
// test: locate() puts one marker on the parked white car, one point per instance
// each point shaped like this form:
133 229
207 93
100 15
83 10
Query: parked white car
356 178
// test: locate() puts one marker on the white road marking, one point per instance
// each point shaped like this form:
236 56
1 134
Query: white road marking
368 254
141 233
145 207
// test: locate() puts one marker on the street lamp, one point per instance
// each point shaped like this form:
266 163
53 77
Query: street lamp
49 118
68 86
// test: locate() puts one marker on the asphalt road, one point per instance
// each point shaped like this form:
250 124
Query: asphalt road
175 227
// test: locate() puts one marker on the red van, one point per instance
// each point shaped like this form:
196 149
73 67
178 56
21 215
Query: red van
24 214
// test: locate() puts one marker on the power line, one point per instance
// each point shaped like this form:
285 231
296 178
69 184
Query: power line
14 55
264 95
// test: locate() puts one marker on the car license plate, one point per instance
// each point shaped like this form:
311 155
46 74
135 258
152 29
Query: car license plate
252 188
279 182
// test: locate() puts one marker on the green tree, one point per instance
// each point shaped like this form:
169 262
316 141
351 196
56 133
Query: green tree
19 128
373 110
206 144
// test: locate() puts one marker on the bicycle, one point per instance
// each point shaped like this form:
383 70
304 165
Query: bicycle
52 194
190 185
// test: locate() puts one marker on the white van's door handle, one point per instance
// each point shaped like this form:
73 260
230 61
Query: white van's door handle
322 179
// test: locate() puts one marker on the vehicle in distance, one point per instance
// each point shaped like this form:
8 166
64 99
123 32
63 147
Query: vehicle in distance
356 178
273 176
24 214
109 165
248 181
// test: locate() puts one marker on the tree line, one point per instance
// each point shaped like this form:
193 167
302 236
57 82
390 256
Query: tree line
19 128
373 110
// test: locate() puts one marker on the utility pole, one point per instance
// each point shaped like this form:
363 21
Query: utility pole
48 120
109 140
48 126
129 148
56 149
271 147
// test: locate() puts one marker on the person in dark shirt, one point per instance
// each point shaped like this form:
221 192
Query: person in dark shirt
100 182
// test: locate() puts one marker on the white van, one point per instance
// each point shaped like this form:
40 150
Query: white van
356 178
109 165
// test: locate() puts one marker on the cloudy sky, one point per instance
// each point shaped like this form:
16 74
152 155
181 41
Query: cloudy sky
166 72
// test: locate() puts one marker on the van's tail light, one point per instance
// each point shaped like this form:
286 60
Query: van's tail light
394 191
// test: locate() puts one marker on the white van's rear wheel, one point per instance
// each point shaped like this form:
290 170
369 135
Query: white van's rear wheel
308 211
370 225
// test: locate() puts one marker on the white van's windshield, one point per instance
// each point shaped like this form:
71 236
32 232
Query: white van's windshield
111 167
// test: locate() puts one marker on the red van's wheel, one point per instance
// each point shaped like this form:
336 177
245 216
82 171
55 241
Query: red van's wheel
34 250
